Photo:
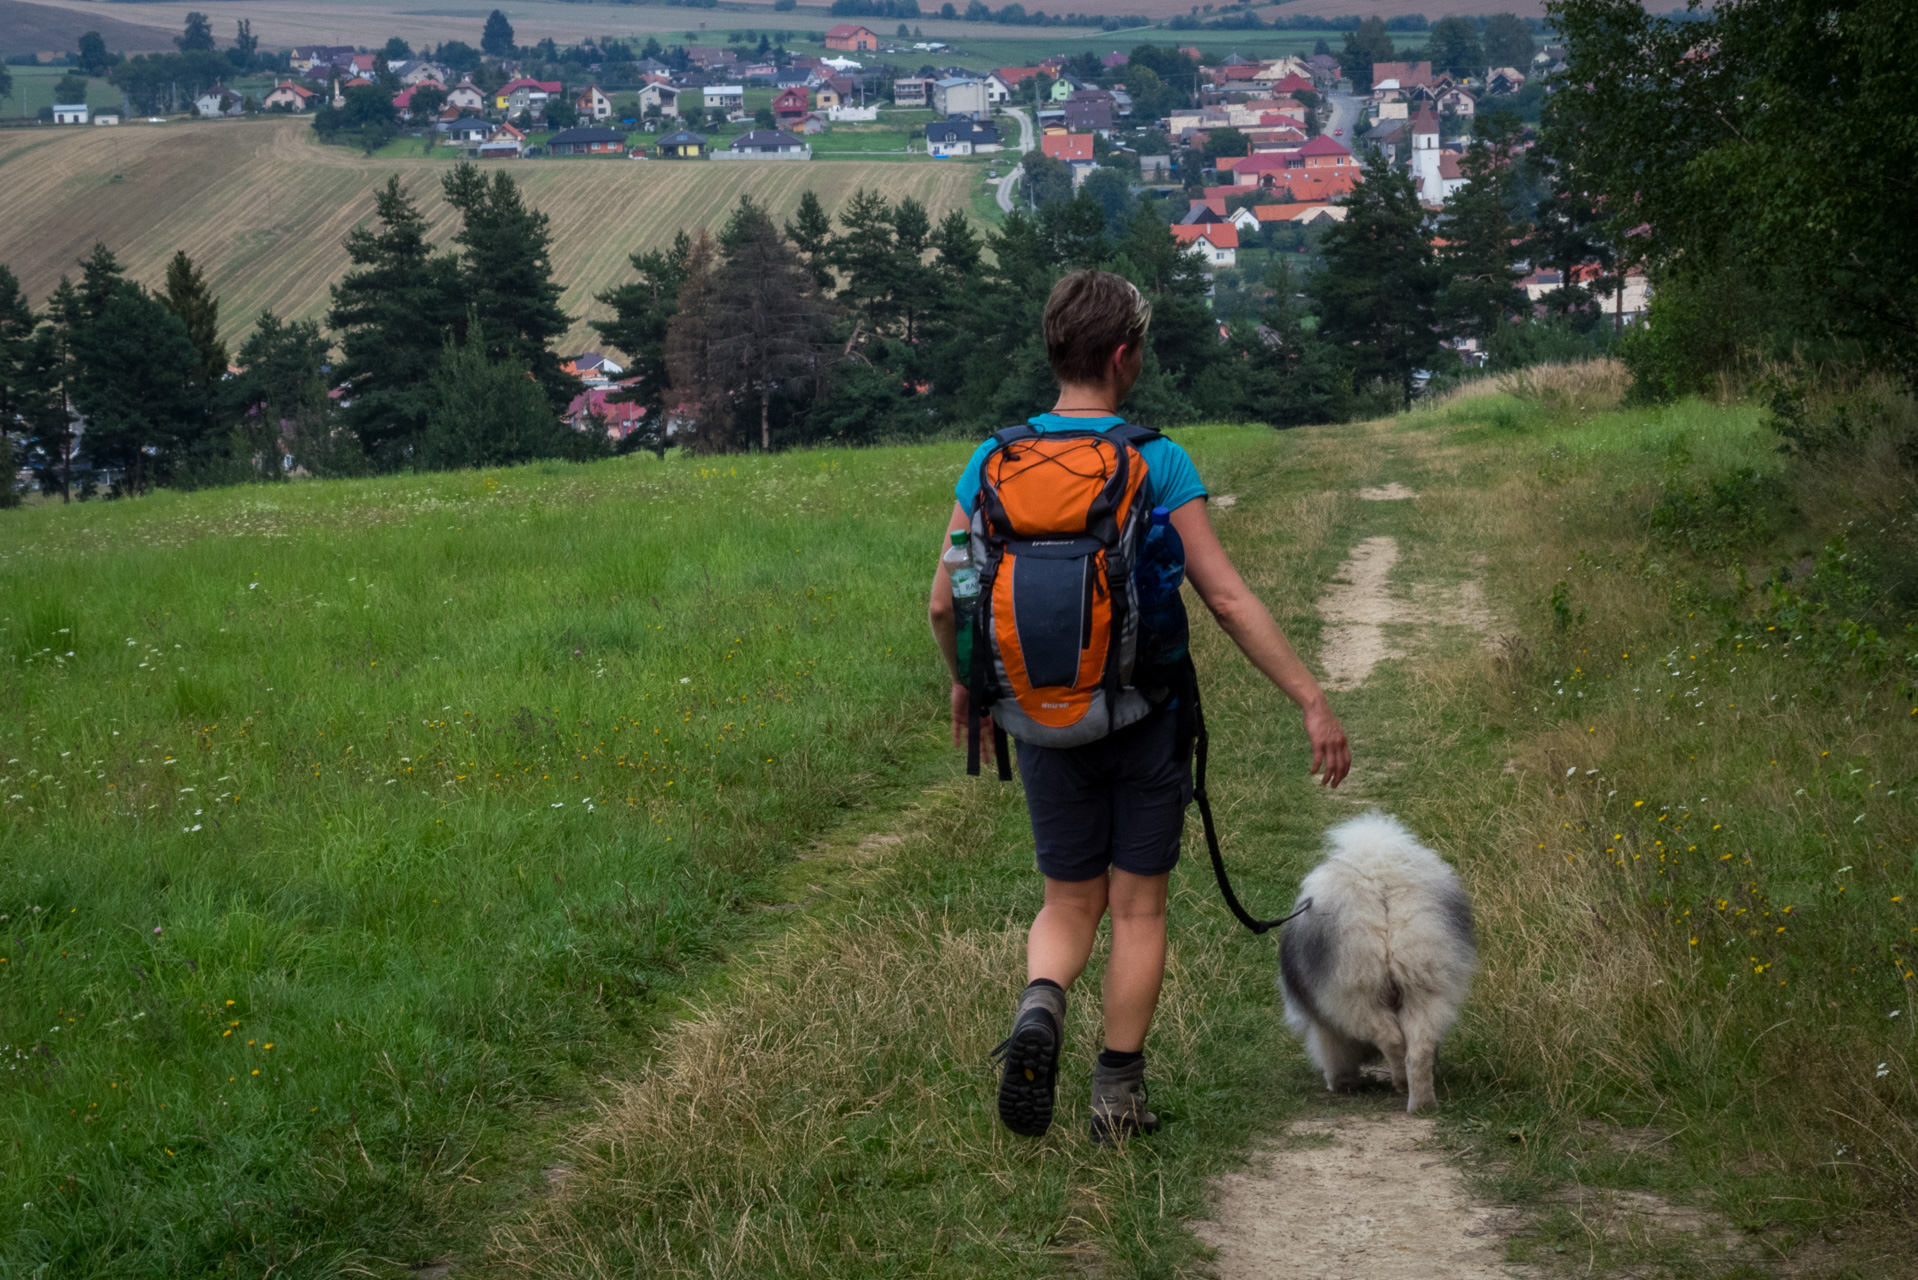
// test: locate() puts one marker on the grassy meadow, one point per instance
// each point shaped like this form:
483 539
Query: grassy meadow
286 203
583 843
348 828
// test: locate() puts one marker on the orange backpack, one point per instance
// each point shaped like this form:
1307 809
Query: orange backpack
1056 533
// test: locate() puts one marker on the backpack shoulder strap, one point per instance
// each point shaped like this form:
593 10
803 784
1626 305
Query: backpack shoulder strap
1016 432
1133 434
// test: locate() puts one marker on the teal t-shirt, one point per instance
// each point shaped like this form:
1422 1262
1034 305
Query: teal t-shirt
1171 480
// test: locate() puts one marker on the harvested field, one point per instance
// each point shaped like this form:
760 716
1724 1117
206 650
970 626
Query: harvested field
265 209
42 28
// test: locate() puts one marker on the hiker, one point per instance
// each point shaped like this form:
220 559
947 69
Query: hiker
1106 814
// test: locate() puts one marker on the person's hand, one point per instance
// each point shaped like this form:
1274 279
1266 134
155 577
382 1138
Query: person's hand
961 709
1331 754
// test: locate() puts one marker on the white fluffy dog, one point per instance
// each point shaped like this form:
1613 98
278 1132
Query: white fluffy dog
1381 960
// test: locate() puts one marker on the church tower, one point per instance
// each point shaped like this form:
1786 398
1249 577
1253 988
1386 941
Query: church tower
1425 157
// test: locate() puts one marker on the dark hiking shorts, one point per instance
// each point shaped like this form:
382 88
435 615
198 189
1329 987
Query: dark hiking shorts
1118 802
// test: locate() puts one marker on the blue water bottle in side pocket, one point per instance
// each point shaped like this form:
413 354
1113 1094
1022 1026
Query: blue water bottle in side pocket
1162 621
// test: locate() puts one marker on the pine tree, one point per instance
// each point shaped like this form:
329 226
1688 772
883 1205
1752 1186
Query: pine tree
699 403
20 385
1482 234
863 254
959 246
134 377
771 321
496 38
508 275
642 314
281 387
1378 292
52 440
811 234
188 298
101 276
393 315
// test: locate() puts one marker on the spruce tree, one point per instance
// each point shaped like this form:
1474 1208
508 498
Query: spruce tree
1378 291
496 38
486 412
642 313
135 379
1483 235
188 297
19 380
281 386
51 439
811 234
863 254
393 313
507 272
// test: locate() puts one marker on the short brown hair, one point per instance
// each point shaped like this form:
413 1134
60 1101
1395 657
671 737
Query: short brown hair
1090 315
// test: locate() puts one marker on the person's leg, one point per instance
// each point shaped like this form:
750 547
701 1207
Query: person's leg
1062 934
1136 969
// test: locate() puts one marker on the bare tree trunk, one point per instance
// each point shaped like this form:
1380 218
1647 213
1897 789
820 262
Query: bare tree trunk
765 420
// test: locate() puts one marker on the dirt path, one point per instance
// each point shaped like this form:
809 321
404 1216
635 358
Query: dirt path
1364 1197
1351 1195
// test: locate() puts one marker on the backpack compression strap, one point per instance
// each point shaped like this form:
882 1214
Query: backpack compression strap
1211 832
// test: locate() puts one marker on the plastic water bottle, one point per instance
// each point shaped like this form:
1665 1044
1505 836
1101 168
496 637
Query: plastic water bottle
965 595
1158 576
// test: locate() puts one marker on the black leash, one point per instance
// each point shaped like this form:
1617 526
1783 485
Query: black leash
1200 743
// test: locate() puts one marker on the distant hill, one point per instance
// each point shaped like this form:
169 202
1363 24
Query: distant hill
41 28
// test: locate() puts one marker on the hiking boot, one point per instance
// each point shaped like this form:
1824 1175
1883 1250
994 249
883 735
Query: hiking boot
1118 1102
1031 1058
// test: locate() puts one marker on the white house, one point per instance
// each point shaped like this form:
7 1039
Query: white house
663 96
852 114
1214 243
766 144
69 113
107 117
218 102
730 98
466 97
961 138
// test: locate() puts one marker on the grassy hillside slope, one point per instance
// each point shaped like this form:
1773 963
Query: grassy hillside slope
265 209
457 787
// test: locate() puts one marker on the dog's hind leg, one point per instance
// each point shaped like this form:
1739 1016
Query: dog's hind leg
1423 1027
1337 1055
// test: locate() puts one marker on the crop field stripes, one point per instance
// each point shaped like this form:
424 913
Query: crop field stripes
265 208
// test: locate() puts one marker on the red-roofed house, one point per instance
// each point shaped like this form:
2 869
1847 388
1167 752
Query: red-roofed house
404 98
1067 146
792 105
1216 242
1323 153
850 35
1292 84
621 419
524 94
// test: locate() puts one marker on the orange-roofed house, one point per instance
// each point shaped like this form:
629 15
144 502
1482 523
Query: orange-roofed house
850 35
1216 242
1003 84
1068 146
1303 214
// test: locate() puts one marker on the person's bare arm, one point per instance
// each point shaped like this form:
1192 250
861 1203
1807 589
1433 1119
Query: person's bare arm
945 634
1245 618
